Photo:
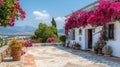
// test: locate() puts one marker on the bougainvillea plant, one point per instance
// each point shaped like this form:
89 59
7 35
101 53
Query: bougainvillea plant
10 10
51 39
106 11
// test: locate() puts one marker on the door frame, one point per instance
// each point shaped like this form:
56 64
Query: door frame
89 39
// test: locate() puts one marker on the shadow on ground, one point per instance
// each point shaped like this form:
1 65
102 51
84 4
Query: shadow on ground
89 56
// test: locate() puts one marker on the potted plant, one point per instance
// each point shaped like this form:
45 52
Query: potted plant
96 46
77 46
23 43
63 39
15 47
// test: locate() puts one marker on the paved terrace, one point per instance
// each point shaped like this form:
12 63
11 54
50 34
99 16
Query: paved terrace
58 56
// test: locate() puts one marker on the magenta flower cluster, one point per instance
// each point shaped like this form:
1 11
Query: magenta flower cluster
51 39
29 43
106 11
10 11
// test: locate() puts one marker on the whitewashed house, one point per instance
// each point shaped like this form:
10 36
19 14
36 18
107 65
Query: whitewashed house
88 36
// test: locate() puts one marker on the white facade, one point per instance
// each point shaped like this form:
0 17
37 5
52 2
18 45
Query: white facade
82 38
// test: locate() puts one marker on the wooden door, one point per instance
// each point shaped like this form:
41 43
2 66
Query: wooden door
89 38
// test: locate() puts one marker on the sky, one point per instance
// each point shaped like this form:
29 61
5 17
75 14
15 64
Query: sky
41 11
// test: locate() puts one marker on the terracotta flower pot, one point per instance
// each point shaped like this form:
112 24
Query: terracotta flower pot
77 48
16 53
100 51
63 44
96 51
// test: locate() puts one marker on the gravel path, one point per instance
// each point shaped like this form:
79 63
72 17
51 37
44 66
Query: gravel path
57 56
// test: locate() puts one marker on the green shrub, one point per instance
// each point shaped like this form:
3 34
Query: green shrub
63 38
3 42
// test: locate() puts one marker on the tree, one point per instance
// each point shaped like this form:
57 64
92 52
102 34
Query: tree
53 22
43 32
33 37
10 11
54 25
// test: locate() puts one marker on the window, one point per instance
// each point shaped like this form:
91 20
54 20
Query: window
111 31
73 35
80 31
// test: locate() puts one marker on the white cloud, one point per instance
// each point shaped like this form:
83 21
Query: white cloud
41 15
60 19
60 22
44 16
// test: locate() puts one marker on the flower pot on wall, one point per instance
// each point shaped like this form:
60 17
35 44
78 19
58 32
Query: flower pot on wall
16 53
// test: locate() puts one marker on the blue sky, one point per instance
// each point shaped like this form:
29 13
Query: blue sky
43 10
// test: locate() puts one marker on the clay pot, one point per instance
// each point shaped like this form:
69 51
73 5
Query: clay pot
96 51
63 44
77 48
100 51
16 53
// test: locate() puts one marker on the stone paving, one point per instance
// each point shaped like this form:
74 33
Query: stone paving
58 56
29 61
8 62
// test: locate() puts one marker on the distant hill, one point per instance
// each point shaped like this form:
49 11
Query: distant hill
16 29
22 30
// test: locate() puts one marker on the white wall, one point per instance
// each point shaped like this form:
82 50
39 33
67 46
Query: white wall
96 35
80 38
115 44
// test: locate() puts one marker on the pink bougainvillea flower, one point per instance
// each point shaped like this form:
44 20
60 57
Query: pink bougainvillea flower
23 15
2 2
11 24
106 11
14 11
51 39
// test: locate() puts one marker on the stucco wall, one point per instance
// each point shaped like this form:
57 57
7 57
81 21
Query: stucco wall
80 38
115 44
96 35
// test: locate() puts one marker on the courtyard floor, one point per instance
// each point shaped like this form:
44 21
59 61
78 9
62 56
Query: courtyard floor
58 56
